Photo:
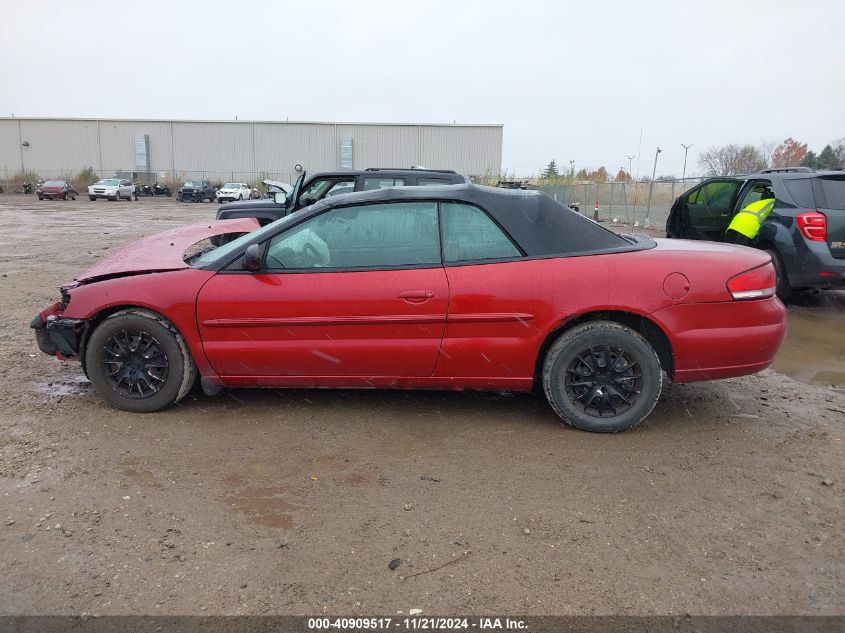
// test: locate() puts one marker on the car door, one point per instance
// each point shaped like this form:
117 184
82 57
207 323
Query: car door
494 299
357 291
126 189
705 211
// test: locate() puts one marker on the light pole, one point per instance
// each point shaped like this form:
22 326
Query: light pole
572 169
625 187
686 149
651 188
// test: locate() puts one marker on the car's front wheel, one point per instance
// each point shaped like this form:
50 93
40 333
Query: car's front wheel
92 198
602 376
137 361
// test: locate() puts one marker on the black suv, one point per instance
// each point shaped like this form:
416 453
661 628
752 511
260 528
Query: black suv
804 233
309 190
197 191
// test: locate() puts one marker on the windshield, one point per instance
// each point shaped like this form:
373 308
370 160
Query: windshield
112 182
193 183
232 185
54 183
226 250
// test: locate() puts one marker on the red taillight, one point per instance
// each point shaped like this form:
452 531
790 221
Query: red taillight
756 283
813 225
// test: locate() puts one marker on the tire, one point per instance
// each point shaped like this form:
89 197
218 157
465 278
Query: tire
587 353
784 291
40 198
164 373
92 198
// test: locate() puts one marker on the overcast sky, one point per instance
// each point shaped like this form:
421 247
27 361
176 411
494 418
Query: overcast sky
570 81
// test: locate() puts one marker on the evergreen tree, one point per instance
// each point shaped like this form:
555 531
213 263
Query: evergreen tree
828 158
810 160
551 170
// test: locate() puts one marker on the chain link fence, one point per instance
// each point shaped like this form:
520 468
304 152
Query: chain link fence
624 202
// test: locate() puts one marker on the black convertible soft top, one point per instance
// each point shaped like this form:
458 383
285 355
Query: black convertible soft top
541 226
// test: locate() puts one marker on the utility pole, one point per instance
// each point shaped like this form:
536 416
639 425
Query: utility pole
571 168
625 187
651 188
686 149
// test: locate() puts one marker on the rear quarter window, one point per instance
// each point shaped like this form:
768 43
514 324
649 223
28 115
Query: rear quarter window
801 192
833 189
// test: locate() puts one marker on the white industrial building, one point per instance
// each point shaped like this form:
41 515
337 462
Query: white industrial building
238 150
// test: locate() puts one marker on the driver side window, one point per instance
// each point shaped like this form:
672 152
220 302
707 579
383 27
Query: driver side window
323 187
366 236
714 194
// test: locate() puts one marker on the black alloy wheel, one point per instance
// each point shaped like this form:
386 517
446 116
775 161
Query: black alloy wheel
602 376
603 381
134 364
137 361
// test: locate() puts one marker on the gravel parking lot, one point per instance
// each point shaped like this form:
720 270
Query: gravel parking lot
727 500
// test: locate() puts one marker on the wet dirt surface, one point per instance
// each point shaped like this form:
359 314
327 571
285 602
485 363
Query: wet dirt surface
728 499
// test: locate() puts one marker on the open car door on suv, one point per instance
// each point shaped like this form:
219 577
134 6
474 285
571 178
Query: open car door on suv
704 212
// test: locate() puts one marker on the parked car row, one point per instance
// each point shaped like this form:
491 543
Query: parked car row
122 189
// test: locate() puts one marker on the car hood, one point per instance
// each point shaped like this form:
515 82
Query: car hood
162 251
228 190
51 188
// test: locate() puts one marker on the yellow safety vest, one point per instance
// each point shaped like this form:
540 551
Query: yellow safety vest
749 220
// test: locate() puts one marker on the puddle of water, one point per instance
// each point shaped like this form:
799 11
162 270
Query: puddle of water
263 506
814 349
63 387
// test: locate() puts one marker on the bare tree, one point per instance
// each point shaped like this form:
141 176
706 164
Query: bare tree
767 149
731 159
839 151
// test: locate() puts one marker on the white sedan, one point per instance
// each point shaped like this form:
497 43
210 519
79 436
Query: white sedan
234 191
111 189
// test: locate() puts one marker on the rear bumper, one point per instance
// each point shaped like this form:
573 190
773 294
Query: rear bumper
56 335
723 339
812 266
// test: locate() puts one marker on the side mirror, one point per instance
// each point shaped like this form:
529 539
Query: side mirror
279 197
252 258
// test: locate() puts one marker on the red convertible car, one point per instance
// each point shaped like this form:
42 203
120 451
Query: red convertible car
458 287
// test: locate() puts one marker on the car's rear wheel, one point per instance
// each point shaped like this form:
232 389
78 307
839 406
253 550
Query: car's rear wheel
137 361
784 291
602 376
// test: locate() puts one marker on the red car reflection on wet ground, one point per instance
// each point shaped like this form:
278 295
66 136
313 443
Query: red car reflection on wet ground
458 287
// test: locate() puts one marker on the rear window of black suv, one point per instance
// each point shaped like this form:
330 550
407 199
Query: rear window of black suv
801 192
833 189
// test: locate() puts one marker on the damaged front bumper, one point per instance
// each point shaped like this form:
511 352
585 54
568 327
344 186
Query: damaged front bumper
57 335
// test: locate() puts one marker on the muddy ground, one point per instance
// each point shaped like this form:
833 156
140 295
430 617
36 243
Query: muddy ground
728 499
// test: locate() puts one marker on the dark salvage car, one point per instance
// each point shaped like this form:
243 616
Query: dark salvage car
452 287
196 191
